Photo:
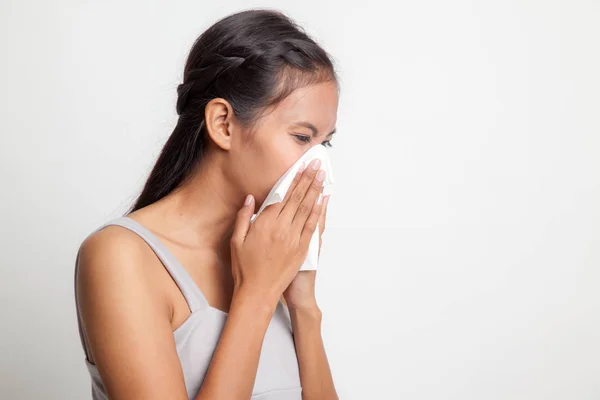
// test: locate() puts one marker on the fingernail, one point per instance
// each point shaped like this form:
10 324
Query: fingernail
316 164
248 200
321 176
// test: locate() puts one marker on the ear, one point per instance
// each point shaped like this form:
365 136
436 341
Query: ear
219 119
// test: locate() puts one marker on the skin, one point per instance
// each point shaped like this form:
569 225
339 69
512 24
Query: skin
130 306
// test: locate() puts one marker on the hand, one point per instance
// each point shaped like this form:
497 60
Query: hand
266 255
301 292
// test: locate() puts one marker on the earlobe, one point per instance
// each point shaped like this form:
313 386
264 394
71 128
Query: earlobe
219 116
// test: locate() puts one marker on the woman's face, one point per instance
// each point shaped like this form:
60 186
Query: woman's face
306 118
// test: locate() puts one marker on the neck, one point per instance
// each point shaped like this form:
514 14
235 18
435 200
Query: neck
202 212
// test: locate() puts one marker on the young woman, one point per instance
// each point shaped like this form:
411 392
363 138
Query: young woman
182 298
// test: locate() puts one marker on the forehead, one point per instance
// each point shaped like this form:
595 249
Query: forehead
316 104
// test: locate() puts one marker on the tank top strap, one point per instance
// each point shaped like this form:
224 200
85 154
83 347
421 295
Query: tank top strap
190 290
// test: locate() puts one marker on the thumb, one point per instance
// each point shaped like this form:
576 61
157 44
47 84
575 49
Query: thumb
242 222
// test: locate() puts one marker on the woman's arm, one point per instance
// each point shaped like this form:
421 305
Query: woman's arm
234 364
315 374
128 330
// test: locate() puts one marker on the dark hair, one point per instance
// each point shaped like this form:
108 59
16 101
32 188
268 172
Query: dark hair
253 59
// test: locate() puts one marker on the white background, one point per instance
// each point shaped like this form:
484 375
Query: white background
463 247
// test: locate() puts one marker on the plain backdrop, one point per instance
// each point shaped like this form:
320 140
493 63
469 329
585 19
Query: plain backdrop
462 257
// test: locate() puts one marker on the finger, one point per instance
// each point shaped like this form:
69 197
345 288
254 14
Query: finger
242 222
297 193
294 183
311 223
310 199
276 207
323 216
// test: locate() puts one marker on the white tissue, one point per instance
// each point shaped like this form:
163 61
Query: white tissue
277 194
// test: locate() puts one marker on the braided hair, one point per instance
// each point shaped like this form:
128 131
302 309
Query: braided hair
254 59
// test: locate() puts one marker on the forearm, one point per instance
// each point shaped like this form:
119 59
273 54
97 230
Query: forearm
232 371
315 374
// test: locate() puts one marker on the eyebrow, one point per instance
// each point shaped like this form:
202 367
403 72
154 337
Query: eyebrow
312 127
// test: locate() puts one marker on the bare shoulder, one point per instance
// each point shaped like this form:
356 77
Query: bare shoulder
112 243
112 260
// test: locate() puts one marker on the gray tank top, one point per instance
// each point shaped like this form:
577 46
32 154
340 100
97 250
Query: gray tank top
196 339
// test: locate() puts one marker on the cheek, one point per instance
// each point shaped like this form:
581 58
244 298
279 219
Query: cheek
265 159
282 154
276 157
